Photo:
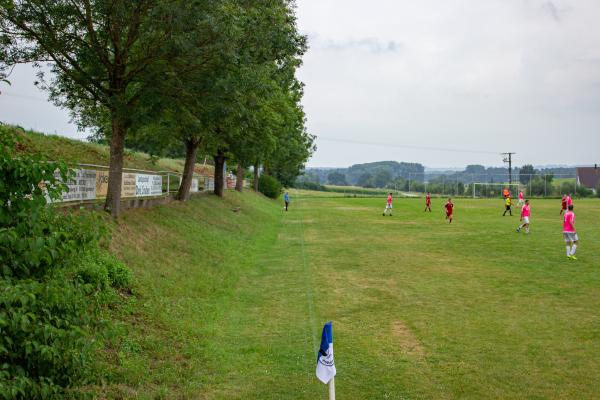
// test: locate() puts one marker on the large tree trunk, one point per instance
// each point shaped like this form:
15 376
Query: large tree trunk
191 152
115 172
256 177
239 183
219 175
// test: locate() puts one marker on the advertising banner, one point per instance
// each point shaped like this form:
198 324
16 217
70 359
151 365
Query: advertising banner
148 185
209 184
101 183
128 185
82 186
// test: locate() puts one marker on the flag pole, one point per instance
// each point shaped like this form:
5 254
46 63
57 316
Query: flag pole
332 389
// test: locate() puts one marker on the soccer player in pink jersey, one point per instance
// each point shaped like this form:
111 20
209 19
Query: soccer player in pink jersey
521 199
388 206
569 200
570 234
525 214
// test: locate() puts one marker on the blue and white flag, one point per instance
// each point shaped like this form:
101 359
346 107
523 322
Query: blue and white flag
325 363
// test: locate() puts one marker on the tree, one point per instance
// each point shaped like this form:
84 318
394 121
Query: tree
104 57
382 178
365 180
257 113
337 178
526 173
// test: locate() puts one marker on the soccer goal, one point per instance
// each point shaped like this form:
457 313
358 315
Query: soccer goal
490 190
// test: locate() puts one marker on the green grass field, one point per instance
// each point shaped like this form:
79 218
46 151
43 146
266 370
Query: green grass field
230 304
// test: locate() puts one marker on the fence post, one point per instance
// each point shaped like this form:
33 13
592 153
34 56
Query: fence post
168 183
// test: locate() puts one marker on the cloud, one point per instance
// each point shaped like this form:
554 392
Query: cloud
549 8
368 44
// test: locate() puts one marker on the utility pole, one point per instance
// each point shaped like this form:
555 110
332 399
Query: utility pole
508 159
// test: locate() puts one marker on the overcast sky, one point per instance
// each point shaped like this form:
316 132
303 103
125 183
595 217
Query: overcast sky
386 78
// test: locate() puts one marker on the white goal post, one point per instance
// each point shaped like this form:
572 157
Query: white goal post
500 187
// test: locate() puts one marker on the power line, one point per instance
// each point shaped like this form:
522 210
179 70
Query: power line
405 146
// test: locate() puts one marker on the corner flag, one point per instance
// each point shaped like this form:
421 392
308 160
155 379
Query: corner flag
325 364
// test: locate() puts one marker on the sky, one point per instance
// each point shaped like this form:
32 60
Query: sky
442 82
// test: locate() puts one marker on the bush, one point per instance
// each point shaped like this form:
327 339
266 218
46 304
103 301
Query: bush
43 344
269 186
310 186
47 321
101 270
583 191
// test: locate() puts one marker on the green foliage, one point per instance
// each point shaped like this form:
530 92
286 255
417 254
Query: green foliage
567 187
32 240
526 173
310 186
101 270
337 178
44 345
47 318
269 186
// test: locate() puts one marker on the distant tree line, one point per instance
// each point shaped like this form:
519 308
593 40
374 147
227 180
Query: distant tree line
412 177
171 77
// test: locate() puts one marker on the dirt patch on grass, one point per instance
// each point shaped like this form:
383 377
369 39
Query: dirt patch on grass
408 342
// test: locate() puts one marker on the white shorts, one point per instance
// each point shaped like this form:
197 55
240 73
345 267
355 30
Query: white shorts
388 206
570 237
525 220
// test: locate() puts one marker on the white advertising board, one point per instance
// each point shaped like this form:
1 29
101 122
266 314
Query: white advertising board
82 186
209 184
148 185
195 186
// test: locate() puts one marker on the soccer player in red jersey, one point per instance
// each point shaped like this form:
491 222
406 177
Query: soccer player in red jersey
449 209
427 202
564 204
388 205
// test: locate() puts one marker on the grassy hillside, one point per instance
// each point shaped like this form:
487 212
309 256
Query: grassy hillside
192 263
58 148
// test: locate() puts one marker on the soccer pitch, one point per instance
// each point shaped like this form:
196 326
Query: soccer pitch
424 309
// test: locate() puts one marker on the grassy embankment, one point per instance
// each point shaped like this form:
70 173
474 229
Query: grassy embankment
58 148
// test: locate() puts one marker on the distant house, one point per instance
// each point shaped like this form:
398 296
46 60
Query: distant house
589 177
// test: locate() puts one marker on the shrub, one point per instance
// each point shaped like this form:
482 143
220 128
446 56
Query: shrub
269 186
310 186
101 270
583 191
43 344
47 321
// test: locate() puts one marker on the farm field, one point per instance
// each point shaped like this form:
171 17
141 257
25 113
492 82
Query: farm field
420 309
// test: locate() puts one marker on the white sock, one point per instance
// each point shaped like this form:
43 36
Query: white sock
527 230
573 249
568 251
